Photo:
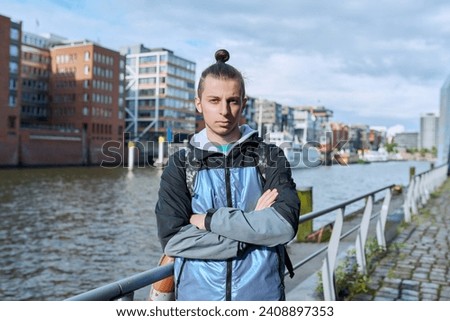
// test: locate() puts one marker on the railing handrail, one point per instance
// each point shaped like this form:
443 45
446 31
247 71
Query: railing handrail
127 286
315 214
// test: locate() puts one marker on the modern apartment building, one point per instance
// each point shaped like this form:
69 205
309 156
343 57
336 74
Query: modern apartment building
312 123
407 140
429 125
358 137
10 90
160 93
268 115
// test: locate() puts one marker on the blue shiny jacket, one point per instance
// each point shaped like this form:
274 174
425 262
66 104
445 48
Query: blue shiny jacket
240 255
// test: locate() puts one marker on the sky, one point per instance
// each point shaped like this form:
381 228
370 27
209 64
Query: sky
379 63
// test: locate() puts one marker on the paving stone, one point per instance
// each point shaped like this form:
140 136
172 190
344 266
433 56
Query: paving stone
445 293
420 276
429 287
363 297
392 283
388 292
429 297
406 292
410 285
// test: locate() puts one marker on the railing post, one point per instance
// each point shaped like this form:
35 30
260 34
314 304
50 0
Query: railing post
415 193
362 236
408 201
381 223
329 263
412 172
306 206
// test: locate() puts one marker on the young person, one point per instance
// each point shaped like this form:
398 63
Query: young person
227 232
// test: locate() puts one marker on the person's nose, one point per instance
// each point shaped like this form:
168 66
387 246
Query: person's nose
224 108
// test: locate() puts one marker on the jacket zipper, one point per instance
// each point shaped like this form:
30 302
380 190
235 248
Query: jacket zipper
229 204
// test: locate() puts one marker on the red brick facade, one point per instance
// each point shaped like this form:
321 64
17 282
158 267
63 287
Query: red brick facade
71 104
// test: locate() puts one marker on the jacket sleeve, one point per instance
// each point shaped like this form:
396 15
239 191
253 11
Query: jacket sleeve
173 211
173 208
193 243
269 227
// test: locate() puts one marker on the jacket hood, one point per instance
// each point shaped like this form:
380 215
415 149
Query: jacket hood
200 140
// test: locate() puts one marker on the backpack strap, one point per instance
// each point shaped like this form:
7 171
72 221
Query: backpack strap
263 151
263 155
192 166
288 263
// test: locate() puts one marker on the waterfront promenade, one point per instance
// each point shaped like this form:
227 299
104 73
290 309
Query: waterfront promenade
415 267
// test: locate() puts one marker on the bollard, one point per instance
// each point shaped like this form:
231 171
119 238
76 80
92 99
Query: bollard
160 149
412 172
306 206
130 155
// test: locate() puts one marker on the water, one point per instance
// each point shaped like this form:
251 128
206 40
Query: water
333 185
68 230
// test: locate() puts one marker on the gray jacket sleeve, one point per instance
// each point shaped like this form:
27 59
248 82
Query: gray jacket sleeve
193 243
265 227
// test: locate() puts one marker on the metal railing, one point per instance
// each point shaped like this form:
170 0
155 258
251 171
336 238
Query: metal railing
420 188
125 288
418 192
329 263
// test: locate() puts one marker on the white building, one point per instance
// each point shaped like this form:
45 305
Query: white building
429 124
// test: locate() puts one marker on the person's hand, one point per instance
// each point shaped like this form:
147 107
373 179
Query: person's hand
198 220
267 199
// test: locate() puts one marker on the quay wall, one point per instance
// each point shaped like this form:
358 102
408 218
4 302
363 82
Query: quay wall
47 147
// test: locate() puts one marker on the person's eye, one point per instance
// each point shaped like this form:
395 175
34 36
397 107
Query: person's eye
214 101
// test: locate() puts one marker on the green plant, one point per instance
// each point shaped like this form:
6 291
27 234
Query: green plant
348 279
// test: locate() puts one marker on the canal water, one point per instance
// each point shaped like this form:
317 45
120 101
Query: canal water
64 231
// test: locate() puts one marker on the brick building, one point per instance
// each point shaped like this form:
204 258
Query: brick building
62 102
10 35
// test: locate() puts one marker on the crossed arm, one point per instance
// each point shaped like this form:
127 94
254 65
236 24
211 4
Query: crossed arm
231 236
266 200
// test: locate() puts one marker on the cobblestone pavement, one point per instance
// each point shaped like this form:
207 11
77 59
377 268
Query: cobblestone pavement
417 264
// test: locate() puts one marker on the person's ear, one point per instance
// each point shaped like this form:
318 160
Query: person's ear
198 105
244 103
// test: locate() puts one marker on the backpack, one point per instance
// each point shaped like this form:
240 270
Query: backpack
193 165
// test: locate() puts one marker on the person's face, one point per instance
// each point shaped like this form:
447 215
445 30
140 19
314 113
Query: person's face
221 104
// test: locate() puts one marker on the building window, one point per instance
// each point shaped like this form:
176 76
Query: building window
14 34
87 56
85 111
11 122
86 83
86 70
13 67
12 84
14 50
12 100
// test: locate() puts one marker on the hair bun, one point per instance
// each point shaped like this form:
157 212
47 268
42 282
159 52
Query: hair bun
222 55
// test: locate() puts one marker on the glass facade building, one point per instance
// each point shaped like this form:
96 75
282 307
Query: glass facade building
444 124
160 92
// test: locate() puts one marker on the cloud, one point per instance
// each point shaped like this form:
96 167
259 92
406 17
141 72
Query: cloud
364 59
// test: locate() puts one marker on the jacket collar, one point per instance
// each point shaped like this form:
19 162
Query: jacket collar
199 141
